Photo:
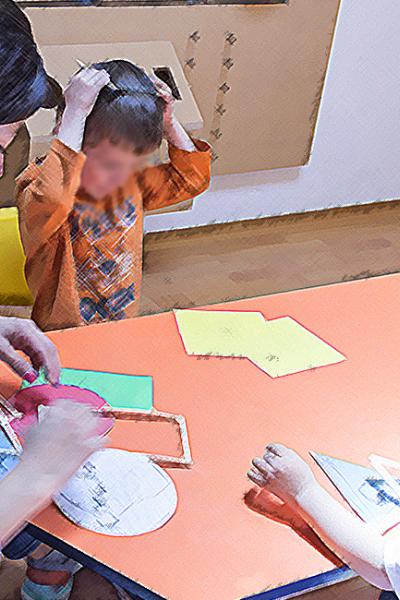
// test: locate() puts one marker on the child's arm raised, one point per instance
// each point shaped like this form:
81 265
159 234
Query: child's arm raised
187 174
45 192
80 97
287 476
174 133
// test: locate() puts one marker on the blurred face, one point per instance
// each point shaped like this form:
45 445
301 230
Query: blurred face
108 167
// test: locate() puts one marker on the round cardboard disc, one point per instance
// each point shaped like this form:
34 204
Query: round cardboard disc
119 493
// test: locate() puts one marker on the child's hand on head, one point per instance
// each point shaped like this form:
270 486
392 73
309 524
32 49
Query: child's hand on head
282 472
165 93
83 89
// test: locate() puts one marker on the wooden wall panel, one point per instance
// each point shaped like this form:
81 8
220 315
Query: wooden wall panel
279 53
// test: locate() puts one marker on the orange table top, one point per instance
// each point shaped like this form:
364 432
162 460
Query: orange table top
215 547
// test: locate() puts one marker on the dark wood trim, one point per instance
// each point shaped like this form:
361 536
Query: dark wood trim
118 3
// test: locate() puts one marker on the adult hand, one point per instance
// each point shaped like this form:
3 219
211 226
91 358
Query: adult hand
24 335
54 450
60 443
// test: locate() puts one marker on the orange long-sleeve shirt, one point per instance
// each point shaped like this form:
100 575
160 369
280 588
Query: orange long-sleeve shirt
84 257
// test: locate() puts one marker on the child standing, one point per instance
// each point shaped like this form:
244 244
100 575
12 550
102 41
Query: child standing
81 209
374 557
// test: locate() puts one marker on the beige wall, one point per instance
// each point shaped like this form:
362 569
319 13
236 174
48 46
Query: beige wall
280 60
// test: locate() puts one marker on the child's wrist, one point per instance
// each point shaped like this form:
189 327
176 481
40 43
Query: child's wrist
305 494
170 126
76 113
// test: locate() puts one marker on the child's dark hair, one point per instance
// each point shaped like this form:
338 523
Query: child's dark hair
132 114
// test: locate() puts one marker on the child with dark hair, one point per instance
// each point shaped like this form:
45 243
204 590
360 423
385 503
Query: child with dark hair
81 209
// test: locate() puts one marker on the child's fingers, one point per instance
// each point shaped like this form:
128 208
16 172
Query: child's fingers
262 466
275 449
270 459
162 88
256 478
94 76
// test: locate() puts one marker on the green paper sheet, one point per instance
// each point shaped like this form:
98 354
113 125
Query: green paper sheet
220 333
287 347
119 390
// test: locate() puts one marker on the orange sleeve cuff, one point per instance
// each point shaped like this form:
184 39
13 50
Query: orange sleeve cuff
202 148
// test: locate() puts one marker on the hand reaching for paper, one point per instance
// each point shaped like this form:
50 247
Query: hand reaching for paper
24 335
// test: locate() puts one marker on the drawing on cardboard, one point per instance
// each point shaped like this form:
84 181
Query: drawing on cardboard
119 493
118 389
367 492
279 346
382 466
124 493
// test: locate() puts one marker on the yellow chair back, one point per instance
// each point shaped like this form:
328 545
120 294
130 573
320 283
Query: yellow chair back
14 290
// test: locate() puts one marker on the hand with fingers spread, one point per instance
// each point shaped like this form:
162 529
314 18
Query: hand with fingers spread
282 472
24 335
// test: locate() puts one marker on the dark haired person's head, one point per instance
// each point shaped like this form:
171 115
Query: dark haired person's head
124 128
24 85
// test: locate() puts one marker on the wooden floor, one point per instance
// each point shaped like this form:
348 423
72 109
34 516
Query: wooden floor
219 263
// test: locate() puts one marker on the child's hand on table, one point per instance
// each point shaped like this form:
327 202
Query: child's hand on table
326 522
24 335
283 473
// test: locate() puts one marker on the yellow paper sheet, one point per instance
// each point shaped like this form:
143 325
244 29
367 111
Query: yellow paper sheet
220 333
287 347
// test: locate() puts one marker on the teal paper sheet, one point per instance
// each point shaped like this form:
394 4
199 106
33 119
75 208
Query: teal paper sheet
119 390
